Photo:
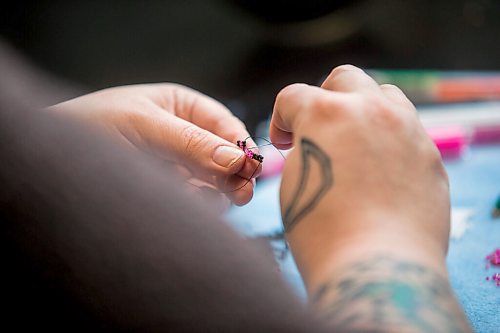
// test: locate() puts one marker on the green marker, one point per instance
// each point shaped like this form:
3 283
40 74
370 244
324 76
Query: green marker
496 210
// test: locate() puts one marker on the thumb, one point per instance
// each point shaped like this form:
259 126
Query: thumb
198 148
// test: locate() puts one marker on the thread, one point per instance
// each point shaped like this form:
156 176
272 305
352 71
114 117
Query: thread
269 143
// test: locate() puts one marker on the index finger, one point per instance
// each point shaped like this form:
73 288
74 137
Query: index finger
292 103
207 113
214 117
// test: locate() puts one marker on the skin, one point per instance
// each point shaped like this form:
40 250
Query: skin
365 205
364 195
182 126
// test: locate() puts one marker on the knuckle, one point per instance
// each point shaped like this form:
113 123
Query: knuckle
433 154
193 139
383 111
436 162
343 69
376 104
289 91
389 86
327 109
322 109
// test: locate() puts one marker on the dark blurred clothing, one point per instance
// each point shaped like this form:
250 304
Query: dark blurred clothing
95 237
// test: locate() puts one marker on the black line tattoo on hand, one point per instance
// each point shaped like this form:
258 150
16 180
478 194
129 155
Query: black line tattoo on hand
384 294
310 150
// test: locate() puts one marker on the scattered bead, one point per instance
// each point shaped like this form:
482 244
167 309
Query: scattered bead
493 260
494 257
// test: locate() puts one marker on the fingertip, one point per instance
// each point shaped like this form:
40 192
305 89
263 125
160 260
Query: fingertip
257 172
239 190
283 146
243 195
251 169
280 139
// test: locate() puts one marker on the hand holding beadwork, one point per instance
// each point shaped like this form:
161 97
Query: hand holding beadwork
193 131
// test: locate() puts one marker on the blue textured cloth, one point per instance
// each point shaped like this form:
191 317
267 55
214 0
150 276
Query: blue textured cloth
474 183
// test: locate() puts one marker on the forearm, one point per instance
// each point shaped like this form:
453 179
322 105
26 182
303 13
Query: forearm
384 284
95 237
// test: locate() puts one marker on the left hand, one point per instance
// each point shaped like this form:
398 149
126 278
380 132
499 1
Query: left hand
183 126
364 172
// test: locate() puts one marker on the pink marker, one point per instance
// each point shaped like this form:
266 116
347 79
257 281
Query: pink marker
451 141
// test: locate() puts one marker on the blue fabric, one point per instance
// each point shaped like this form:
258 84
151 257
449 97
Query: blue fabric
474 183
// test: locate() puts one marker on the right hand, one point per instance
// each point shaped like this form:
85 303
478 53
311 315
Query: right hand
191 131
363 171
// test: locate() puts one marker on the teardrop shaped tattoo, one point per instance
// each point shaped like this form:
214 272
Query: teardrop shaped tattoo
310 150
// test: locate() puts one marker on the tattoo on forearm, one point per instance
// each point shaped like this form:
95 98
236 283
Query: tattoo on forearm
294 212
384 294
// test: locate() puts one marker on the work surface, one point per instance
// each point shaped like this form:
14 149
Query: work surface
474 184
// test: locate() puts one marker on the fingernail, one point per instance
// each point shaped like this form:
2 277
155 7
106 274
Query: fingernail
226 156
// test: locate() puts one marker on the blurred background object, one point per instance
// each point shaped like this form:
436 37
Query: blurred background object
243 52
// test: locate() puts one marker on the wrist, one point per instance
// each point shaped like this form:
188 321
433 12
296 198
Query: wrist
321 245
